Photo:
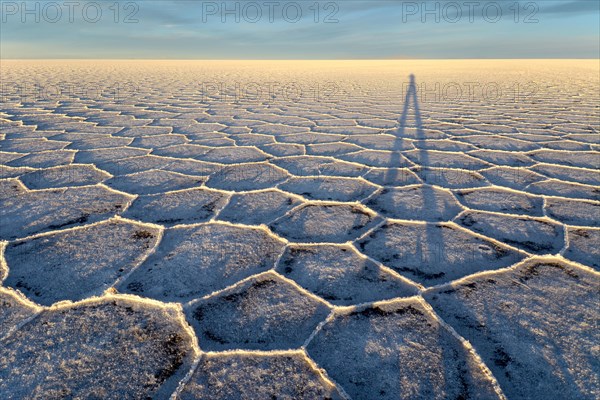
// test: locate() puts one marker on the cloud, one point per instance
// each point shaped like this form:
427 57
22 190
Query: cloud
366 29
569 7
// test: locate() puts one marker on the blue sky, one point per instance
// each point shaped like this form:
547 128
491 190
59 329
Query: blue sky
390 29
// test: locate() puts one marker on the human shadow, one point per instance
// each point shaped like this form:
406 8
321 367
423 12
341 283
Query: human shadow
411 102
433 249
396 156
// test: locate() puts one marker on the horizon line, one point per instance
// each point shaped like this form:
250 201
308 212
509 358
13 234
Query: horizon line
293 59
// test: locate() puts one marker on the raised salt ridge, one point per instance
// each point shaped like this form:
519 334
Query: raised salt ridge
367 244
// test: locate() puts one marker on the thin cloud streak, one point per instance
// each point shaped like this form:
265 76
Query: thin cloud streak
374 29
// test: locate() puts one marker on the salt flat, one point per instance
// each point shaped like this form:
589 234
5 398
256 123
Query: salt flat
300 230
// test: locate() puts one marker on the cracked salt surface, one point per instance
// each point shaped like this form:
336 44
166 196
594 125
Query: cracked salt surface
367 245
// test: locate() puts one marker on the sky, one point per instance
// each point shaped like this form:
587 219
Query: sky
265 29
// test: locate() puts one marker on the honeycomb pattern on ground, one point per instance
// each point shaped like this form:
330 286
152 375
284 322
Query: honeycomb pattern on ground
367 242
